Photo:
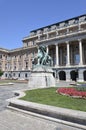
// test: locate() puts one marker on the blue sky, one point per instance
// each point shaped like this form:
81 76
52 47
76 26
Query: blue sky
19 17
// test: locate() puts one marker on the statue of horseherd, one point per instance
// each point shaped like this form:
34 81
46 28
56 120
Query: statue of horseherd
42 57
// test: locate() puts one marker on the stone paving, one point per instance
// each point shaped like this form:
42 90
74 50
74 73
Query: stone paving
14 120
6 92
65 84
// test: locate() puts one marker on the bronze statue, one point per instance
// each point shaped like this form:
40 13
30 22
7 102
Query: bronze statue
42 57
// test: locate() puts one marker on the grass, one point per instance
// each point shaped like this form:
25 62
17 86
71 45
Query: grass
50 97
81 86
81 82
12 81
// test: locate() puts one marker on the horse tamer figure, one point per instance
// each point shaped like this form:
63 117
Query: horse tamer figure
42 57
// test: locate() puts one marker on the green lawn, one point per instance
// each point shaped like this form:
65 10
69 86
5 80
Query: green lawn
12 81
81 82
50 97
4 81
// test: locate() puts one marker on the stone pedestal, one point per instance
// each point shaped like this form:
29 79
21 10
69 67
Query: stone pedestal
41 77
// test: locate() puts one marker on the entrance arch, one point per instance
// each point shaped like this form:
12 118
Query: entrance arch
84 75
62 75
74 75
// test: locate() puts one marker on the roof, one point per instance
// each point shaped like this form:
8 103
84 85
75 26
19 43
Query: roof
3 49
58 23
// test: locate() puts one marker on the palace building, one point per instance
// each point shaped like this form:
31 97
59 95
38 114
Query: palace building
66 44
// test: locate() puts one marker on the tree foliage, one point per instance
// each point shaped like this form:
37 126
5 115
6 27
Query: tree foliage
1 72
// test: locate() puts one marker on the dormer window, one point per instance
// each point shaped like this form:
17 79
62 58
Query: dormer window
62 25
53 27
32 33
39 32
76 21
71 22
82 19
45 29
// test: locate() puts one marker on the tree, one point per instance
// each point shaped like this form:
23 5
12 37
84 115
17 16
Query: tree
1 73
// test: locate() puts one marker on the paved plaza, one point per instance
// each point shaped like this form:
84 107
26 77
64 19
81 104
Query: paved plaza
6 92
15 120
12 120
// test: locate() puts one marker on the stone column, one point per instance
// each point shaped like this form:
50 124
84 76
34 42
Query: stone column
68 53
68 77
3 63
81 77
61 56
47 49
12 67
57 55
80 52
17 65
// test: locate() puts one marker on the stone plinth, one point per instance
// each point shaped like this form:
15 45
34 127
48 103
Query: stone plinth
40 77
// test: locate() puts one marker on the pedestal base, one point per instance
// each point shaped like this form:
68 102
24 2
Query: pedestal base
41 77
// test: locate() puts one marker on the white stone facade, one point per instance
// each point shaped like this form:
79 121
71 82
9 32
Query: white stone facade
66 44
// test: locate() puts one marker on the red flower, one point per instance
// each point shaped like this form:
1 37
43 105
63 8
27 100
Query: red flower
71 92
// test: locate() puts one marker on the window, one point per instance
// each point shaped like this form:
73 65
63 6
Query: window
6 57
14 74
5 66
26 65
20 57
19 75
77 59
0 56
25 75
65 59
5 75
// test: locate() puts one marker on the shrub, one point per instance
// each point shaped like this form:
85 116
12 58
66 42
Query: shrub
1 73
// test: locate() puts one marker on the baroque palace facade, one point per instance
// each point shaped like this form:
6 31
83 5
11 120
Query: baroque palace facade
66 44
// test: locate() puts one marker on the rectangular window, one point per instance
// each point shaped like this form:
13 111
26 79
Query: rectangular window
77 59
0 56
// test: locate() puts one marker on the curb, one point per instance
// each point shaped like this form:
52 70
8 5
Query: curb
57 113
4 84
67 123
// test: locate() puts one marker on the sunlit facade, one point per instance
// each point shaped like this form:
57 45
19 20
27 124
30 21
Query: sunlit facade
66 44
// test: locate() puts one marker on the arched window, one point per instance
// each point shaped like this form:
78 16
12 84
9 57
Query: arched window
62 75
74 75
84 75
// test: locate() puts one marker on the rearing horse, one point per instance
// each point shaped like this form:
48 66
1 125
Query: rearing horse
42 57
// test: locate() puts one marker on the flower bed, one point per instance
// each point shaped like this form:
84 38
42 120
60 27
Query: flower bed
71 92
